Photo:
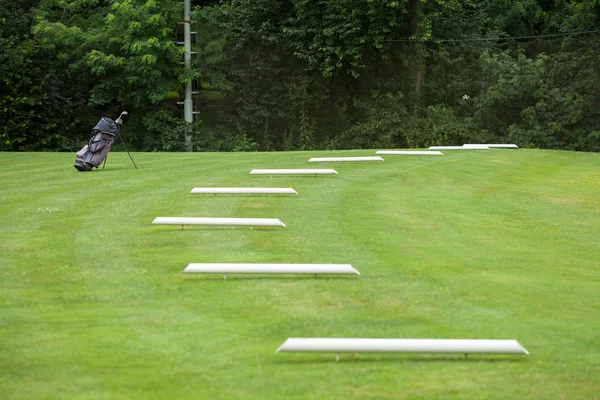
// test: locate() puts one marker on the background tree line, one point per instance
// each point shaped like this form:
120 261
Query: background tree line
303 74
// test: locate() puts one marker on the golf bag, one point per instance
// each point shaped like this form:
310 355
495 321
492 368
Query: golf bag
96 151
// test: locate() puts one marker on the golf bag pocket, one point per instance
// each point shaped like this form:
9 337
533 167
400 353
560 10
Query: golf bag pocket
99 142
99 147
81 153
82 159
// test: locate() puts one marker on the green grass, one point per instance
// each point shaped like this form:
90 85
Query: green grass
491 244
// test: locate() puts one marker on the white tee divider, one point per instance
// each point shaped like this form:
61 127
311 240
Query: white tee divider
497 145
241 268
472 147
345 159
351 345
293 172
409 153
240 190
218 221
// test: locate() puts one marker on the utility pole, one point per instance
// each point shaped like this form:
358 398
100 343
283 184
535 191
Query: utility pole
188 103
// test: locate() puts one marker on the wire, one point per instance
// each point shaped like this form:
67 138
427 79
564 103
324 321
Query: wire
496 38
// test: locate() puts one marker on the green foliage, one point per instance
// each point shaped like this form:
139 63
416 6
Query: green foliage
137 63
528 101
307 129
125 53
379 123
305 74
35 108
163 131
440 125
287 75
343 35
238 142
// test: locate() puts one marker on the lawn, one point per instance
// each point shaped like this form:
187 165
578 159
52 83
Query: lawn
499 244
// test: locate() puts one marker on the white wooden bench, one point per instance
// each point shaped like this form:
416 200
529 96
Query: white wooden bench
241 268
350 345
497 145
345 159
473 147
410 153
216 191
218 221
293 172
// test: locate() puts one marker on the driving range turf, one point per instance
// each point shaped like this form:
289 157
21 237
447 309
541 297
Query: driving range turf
499 244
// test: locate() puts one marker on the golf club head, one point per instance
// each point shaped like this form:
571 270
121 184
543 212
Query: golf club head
120 119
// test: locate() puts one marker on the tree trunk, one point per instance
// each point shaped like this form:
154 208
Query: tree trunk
415 15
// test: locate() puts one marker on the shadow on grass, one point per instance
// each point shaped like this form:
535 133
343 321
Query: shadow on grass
266 277
320 176
240 196
200 228
107 172
99 171
400 359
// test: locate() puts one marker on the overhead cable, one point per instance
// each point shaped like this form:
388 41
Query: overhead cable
496 38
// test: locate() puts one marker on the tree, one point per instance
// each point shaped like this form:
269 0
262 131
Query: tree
38 108
291 74
126 51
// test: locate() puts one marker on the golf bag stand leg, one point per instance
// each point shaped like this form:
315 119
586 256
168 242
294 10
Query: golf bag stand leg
122 141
